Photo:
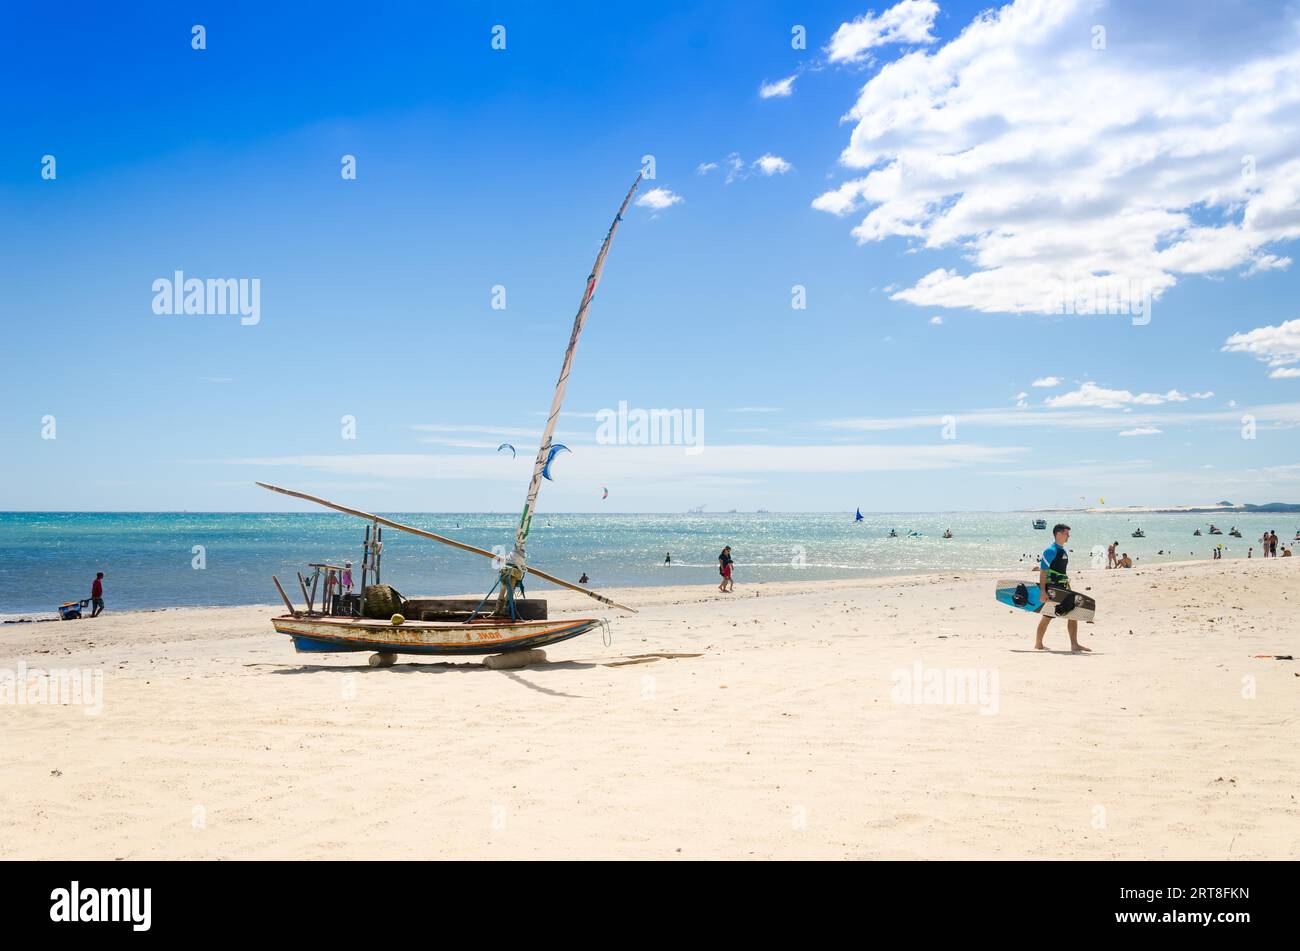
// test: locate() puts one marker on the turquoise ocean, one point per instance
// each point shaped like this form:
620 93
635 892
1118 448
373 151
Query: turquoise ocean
148 558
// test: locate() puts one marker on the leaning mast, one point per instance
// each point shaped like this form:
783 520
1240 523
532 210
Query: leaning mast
517 558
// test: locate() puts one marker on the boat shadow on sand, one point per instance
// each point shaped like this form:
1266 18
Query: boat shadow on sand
476 667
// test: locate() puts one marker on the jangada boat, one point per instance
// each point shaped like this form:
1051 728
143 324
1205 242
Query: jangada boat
482 635
391 625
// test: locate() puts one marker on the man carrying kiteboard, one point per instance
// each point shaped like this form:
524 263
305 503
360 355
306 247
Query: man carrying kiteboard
1052 571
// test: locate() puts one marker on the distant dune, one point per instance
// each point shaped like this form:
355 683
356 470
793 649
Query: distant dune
1221 507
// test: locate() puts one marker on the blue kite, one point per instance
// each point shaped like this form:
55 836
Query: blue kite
550 457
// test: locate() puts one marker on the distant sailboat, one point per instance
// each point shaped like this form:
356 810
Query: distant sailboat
858 517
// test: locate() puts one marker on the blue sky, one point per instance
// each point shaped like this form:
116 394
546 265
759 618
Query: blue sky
927 180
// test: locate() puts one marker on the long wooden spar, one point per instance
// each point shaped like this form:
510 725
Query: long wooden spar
445 540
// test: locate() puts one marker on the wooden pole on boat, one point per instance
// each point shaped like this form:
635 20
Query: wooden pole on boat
302 583
287 603
380 520
365 561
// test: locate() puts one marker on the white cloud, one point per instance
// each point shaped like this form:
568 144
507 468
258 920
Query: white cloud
1092 395
778 89
1141 431
1045 163
906 22
737 169
936 320
1279 347
1268 262
1272 415
772 164
659 199
1047 381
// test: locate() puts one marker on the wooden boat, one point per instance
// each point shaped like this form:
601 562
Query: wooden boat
483 635
460 627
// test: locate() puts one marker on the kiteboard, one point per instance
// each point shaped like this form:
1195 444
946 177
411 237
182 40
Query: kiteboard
1061 602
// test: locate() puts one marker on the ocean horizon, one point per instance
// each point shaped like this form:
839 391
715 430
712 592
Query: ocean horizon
191 559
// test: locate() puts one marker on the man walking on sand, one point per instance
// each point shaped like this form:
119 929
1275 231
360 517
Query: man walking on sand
1052 571
724 569
97 595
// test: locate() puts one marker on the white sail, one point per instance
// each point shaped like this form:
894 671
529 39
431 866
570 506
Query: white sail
517 557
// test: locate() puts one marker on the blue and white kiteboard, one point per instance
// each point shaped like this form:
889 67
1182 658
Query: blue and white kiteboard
1061 602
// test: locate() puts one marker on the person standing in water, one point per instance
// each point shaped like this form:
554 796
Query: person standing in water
724 569
1052 568
668 558
97 595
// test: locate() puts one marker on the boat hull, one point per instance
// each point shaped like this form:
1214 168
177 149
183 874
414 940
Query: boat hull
327 635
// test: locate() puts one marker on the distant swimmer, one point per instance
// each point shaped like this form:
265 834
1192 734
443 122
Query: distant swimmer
583 579
947 533
1052 570
668 558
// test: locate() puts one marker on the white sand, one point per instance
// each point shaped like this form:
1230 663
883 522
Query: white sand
782 739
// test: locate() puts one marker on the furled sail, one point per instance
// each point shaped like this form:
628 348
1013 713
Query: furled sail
517 557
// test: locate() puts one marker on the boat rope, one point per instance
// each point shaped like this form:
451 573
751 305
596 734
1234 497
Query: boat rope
606 632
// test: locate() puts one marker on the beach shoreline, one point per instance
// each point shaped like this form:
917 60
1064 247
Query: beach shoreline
788 720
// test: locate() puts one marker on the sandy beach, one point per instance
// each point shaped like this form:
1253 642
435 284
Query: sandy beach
764 724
